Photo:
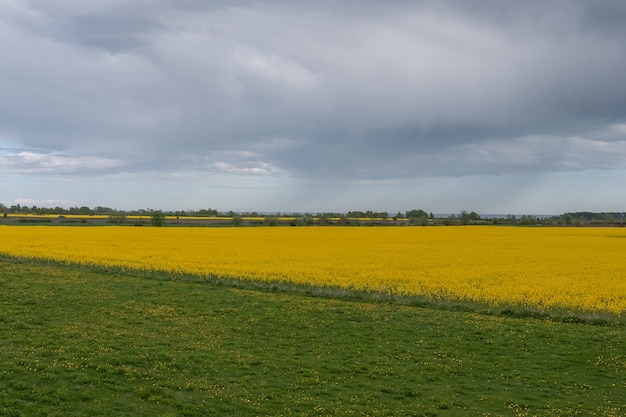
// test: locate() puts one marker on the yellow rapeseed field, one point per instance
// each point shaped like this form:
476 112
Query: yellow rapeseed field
578 269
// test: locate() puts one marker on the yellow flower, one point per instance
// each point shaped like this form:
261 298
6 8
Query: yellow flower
581 269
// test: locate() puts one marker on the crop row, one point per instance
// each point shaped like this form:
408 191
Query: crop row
577 269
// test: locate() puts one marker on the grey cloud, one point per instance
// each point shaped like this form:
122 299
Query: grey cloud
113 33
352 89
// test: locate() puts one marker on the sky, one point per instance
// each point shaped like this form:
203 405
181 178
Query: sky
492 106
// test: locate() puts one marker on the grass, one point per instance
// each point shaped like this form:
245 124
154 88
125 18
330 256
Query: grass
77 342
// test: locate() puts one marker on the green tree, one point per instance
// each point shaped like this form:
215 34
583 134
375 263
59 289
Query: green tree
608 218
237 220
527 220
117 218
450 220
271 220
305 220
464 217
157 218
419 217
416 213
323 220
419 221
511 219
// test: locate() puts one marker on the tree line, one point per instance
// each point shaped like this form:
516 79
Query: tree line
354 217
102 210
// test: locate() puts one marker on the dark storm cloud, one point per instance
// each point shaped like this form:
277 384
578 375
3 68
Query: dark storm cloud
327 89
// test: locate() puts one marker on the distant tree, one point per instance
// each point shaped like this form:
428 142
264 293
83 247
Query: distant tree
524 220
527 220
207 212
157 218
450 220
102 210
354 222
418 221
369 214
237 220
416 213
345 221
417 217
323 220
305 220
511 219
117 218
608 218
271 220
355 214
465 217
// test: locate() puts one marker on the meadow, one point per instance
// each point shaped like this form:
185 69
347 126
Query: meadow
79 341
559 271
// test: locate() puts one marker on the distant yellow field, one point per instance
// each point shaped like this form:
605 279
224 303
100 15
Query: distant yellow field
56 216
580 269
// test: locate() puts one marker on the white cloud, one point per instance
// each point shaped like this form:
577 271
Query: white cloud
247 168
45 203
41 163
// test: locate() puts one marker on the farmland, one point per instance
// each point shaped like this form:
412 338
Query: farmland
147 321
78 341
547 270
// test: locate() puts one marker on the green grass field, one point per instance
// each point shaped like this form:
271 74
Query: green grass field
78 342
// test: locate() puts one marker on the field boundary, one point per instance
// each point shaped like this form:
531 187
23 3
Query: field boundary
601 318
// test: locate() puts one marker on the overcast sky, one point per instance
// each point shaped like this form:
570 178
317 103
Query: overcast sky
491 106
